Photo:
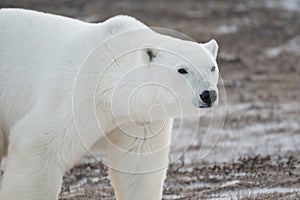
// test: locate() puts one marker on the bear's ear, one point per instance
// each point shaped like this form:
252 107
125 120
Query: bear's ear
213 47
150 54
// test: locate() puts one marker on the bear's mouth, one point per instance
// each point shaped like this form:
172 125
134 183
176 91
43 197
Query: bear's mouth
201 105
205 106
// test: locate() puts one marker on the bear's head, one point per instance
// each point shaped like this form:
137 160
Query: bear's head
191 62
167 78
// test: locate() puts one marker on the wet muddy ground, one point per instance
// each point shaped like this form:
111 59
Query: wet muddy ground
257 154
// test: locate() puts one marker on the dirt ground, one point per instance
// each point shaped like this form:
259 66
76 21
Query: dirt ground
257 155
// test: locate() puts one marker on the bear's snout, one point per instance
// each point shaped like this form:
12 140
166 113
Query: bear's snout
209 97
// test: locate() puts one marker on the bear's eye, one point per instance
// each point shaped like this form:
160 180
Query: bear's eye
213 69
182 71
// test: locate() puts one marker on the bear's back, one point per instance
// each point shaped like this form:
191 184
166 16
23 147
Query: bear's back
31 43
25 32
36 47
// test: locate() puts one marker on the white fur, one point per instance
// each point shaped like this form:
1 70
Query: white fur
47 119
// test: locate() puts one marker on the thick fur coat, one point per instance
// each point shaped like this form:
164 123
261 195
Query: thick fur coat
64 86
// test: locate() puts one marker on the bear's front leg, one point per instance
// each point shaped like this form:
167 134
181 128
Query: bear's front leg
28 177
34 169
131 186
138 165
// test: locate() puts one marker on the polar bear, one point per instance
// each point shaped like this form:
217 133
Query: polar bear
66 84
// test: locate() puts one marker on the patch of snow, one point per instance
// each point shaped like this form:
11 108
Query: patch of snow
195 14
254 192
291 46
228 57
79 184
226 29
171 196
290 5
198 185
95 180
272 137
230 183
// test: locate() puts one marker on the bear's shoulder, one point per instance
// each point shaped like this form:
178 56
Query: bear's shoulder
122 23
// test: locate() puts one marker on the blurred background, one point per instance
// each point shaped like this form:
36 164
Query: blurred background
257 155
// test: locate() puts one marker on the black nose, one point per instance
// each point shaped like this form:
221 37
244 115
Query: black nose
209 97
